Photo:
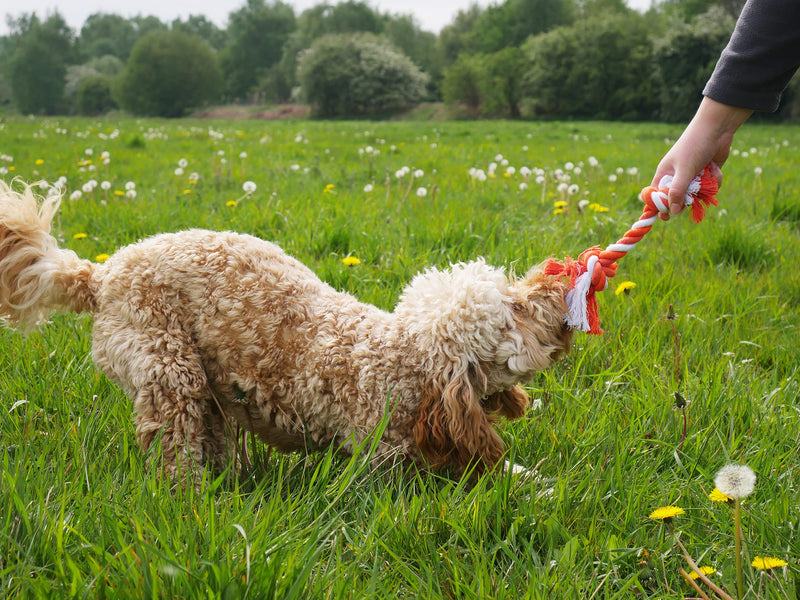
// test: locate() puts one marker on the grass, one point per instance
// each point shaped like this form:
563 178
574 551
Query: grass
81 515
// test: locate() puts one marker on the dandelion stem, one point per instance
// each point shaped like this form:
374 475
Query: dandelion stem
717 590
692 583
737 540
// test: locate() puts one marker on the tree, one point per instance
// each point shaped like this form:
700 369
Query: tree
94 95
598 68
257 34
358 75
684 60
503 81
463 83
104 34
38 65
199 25
167 74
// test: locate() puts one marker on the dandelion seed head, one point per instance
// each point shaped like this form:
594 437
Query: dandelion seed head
736 481
249 187
422 192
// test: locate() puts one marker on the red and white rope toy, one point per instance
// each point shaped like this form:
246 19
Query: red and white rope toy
590 272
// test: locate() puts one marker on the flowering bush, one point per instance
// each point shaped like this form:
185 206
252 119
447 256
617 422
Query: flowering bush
358 75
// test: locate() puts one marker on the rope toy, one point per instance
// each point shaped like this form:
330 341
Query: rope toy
591 271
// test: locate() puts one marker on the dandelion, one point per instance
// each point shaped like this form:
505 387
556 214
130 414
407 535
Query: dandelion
231 203
558 211
351 261
582 205
249 187
757 171
178 172
593 162
76 195
704 570
523 186
422 192
39 162
573 189
328 188
510 171
131 194
569 166
612 178
105 186
79 236
525 172
560 204
736 481
418 173
368 188
717 496
598 207
119 193
130 186
666 513
101 258
183 163
243 155
624 288
768 562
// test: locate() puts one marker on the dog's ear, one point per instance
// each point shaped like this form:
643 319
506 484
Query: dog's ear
511 403
453 429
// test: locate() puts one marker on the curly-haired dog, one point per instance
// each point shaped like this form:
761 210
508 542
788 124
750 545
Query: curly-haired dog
202 329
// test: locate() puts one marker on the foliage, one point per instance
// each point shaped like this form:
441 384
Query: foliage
358 75
167 74
37 68
596 68
503 89
257 34
684 58
93 96
463 82
107 34
87 512
201 26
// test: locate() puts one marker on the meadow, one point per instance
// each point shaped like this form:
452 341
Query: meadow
713 316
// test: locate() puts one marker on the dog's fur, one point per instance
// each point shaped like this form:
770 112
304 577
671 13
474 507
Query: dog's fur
204 329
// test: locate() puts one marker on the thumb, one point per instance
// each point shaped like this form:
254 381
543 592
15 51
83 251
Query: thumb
677 191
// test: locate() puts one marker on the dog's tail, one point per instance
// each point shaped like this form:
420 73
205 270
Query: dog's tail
36 276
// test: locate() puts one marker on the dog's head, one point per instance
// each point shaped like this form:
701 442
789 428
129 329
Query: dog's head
481 335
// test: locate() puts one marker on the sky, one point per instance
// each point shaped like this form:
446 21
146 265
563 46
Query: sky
432 15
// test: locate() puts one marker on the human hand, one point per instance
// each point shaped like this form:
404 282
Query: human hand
705 141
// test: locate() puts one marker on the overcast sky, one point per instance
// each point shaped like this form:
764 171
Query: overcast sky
432 15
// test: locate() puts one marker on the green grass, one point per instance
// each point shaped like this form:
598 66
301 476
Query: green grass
81 515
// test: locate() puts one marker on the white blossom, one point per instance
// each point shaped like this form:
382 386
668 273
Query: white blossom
736 481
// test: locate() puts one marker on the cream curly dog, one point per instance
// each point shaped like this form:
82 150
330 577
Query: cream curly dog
204 330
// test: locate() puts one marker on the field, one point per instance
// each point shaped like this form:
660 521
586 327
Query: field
713 316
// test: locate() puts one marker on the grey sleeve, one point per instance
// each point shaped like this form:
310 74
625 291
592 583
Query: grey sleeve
760 58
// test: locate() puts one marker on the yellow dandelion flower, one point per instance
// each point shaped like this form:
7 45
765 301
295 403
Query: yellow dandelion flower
596 207
119 193
101 258
80 163
329 188
230 203
492 176
666 512
560 204
624 287
704 571
506 174
558 211
351 261
718 496
79 236
39 161
768 562
88 162
187 192
12 168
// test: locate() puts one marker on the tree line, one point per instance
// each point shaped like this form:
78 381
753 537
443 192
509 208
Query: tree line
592 59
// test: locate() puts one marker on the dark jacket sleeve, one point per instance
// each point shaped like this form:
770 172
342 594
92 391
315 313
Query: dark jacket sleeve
760 58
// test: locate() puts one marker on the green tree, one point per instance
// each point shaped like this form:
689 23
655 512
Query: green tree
597 68
37 68
94 95
358 74
106 34
168 73
200 25
257 34
463 83
684 60
503 81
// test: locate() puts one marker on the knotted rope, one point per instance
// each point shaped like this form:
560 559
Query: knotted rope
591 271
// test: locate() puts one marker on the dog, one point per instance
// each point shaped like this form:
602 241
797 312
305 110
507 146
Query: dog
206 331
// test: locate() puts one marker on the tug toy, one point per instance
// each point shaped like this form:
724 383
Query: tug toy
590 272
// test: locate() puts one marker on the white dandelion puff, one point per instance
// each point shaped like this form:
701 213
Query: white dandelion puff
249 187
736 481
422 192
